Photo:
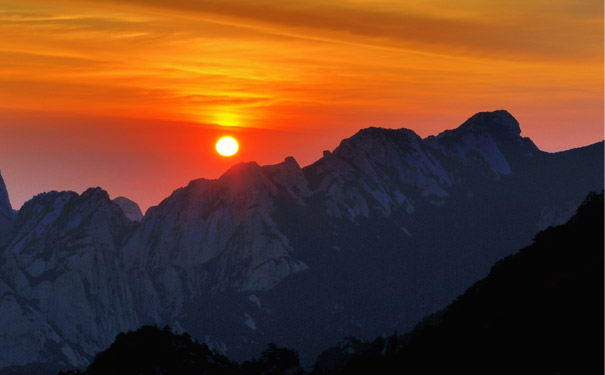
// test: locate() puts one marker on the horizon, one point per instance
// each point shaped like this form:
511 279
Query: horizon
133 95
145 208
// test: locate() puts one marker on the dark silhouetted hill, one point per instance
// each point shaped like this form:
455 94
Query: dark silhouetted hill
153 351
539 311
150 351
274 361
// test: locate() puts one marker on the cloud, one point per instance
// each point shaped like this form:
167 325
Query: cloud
476 28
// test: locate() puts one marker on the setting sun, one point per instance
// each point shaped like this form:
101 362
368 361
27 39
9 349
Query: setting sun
226 146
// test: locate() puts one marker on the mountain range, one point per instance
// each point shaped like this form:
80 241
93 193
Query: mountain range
382 231
538 311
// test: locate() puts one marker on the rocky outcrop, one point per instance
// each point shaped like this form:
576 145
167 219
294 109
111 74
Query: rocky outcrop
6 212
130 208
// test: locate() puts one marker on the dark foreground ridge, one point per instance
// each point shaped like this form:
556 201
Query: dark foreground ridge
538 311
151 350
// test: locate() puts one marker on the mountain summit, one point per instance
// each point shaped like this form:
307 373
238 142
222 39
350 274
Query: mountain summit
500 124
494 137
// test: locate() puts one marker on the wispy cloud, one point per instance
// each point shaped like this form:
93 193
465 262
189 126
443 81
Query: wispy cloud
266 60
508 30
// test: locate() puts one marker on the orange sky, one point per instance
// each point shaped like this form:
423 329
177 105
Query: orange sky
131 95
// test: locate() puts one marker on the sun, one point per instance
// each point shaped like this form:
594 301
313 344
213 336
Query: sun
226 146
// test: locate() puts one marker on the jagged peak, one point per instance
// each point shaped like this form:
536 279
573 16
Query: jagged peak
380 133
91 197
95 193
288 165
290 162
242 170
237 175
375 139
247 176
46 197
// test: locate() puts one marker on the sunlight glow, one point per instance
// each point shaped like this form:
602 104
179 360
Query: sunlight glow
226 146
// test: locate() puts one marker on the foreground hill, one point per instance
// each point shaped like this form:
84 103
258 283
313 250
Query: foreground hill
387 228
539 311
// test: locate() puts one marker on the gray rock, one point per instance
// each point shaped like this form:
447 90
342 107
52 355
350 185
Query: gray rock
130 208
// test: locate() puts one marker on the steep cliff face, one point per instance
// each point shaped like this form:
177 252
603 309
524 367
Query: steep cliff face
62 288
6 212
215 235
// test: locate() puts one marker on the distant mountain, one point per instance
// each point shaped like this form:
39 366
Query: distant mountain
538 311
387 228
130 208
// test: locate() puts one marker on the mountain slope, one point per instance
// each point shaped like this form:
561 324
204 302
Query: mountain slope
61 284
538 311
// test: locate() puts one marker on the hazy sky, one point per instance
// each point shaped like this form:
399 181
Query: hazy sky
131 95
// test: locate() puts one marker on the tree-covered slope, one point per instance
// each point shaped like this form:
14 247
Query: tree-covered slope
539 311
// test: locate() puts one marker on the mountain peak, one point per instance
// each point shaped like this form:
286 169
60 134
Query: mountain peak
288 166
68 205
95 193
496 136
290 162
375 141
242 170
500 124
379 133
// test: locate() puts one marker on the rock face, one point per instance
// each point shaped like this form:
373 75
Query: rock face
63 294
209 237
486 136
6 212
367 240
130 208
